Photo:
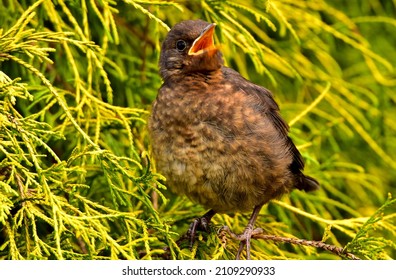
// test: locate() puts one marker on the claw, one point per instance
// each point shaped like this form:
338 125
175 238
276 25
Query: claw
246 236
201 224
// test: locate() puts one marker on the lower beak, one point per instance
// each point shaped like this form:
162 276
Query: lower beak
204 42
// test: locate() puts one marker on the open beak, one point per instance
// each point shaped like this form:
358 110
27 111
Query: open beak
204 43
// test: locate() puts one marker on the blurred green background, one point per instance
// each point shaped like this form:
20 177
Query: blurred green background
76 82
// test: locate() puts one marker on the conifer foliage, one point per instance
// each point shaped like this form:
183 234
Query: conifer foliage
76 82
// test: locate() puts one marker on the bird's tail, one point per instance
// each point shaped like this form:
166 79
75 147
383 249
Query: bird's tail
307 183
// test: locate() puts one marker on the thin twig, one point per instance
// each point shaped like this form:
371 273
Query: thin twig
258 234
83 246
21 186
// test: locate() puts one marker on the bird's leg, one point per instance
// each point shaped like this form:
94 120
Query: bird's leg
246 236
201 223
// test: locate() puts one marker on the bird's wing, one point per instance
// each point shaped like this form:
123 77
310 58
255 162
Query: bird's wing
266 100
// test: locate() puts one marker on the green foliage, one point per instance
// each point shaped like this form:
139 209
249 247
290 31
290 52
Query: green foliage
76 82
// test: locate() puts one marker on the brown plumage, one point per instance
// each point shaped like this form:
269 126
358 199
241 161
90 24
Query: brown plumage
218 138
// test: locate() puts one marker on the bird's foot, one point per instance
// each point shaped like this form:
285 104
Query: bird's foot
244 238
199 224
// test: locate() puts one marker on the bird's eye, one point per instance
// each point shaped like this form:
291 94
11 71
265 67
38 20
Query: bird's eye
181 45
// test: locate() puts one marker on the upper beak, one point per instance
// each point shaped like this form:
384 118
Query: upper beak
204 42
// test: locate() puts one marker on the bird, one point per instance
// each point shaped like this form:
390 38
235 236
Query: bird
218 138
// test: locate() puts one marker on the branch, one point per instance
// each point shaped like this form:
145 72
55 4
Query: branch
258 234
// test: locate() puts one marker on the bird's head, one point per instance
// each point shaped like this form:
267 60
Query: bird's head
189 48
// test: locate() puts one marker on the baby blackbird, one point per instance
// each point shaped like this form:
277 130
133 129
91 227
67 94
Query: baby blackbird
218 138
